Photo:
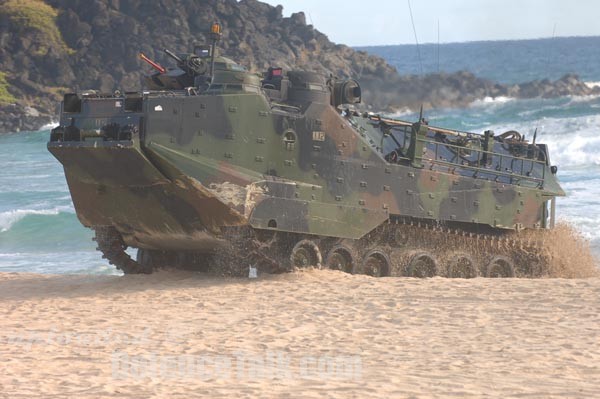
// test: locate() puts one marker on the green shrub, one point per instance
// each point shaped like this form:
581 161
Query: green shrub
39 16
5 96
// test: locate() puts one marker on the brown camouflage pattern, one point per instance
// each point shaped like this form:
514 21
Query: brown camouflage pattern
238 155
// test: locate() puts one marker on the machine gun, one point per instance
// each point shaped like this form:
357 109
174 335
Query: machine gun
193 70
192 64
153 64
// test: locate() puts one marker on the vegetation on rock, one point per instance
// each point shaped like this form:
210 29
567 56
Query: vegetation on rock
38 16
5 96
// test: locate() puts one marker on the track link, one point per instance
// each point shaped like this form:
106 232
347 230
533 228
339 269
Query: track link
111 244
403 247
404 240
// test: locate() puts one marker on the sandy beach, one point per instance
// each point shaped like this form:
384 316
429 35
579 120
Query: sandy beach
306 334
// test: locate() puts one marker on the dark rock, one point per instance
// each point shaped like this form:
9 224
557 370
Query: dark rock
16 118
102 39
298 18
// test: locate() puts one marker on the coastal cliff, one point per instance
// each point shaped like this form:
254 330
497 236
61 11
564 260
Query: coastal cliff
50 47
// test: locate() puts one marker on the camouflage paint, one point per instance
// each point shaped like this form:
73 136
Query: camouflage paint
199 161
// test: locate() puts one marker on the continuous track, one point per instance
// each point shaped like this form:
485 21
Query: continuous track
400 248
111 244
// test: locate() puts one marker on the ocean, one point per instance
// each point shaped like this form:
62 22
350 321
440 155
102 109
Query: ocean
39 231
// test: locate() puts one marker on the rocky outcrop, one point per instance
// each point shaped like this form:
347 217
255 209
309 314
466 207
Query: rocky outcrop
49 47
460 89
16 118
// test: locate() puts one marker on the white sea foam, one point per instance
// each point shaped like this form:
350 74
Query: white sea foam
486 101
9 218
525 113
72 262
49 126
581 99
581 206
399 113
578 149
591 85
573 141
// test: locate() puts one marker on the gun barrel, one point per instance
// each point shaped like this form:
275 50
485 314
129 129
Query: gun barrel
172 55
153 64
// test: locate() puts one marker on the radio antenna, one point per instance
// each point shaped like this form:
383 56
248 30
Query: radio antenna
438 48
548 56
412 20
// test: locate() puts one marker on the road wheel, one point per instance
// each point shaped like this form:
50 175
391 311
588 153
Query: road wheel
500 267
340 258
375 263
306 253
461 265
422 265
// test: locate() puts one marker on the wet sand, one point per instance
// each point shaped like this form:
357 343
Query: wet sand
307 334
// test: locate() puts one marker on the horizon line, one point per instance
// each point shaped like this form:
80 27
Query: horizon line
475 41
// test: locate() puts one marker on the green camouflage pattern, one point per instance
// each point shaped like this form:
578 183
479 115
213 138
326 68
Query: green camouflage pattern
169 169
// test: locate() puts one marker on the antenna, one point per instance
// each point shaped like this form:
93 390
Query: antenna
438 48
548 56
412 20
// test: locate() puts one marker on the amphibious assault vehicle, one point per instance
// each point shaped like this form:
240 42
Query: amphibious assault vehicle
214 164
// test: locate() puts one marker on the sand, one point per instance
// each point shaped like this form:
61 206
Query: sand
308 334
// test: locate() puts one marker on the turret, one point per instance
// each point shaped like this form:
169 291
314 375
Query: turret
193 70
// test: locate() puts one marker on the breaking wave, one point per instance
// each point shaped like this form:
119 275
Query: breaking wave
9 218
591 85
486 101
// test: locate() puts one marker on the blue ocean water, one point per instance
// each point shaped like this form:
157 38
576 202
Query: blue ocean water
39 231
509 61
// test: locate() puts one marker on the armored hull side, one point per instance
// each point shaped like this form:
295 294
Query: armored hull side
318 172
281 173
